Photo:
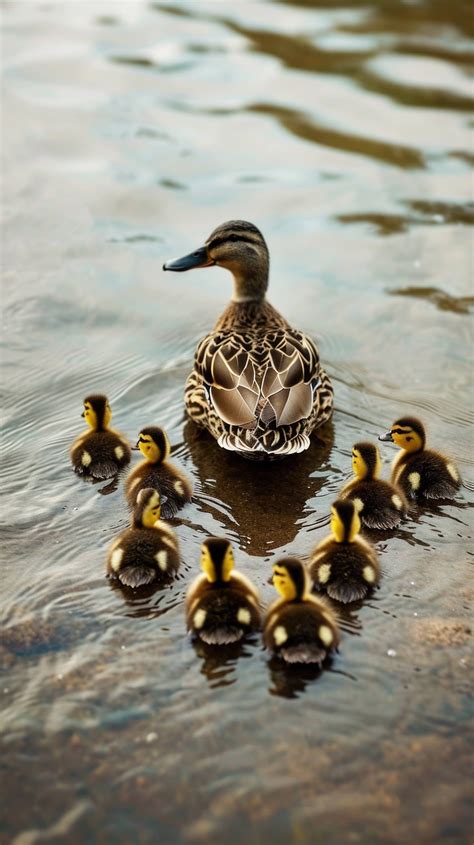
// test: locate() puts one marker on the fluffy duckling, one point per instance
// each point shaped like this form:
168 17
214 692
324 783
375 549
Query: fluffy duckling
298 627
343 564
148 550
99 452
155 471
257 384
222 605
380 504
421 473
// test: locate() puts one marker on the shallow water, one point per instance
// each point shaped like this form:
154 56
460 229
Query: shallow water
130 131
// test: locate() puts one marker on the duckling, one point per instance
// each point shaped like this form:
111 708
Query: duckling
148 550
298 627
380 504
343 564
257 384
222 605
173 486
100 452
421 473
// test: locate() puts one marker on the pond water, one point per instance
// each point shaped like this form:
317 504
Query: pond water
130 131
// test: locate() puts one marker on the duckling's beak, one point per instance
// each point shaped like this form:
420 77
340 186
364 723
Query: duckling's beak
83 414
198 258
386 437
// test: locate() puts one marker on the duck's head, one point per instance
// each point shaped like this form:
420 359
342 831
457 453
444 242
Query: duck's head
290 578
153 444
217 559
366 463
239 247
345 520
408 433
147 508
97 412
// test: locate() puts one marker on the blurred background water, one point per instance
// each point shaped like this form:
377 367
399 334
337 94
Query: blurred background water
130 130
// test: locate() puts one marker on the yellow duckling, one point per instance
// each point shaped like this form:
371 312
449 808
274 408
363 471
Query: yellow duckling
148 550
343 564
222 605
257 383
100 452
174 488
298 627
380 504
421 473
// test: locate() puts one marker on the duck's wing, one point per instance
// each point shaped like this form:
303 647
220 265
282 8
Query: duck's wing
260 384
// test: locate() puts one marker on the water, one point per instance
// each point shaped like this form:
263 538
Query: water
130 131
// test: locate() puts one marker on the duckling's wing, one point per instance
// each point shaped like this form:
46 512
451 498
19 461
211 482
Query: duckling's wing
260 385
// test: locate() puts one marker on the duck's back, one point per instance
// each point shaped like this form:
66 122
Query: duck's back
257 384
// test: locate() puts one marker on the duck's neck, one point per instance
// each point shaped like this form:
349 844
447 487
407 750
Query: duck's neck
250 315
250 279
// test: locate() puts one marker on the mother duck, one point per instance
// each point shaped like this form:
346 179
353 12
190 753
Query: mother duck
257 384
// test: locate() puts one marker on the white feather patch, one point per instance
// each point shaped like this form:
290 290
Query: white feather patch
358 504
368 574
397 501
179 488
414 479
116 559
324 572
453 472
325 635
118 451
86 459
199 618
162 560
134 484
243 616
279 635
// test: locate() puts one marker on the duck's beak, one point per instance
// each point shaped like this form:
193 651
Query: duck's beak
198 258
386 437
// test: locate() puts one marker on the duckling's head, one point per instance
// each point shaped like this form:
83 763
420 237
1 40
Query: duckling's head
97 412
408 433
147 508
239 247
345 520
366 463
153 444
217 559
290 578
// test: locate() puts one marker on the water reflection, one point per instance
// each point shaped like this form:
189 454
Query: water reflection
264 501
218 663
291 681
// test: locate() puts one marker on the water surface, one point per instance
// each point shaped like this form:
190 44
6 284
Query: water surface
130 131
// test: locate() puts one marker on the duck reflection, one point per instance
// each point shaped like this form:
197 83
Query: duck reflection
219 662
264 501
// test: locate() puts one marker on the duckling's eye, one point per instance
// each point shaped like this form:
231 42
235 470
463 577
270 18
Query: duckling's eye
408 438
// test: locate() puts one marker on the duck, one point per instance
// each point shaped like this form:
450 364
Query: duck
99 452
421 473
222 605
148 551
344 565
257 384
381 505
155 471
298 627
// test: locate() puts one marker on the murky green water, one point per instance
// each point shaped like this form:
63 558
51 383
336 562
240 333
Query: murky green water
130 130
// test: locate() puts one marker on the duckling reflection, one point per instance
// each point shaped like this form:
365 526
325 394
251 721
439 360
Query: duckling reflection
139 601
219 664
291 680
266 500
